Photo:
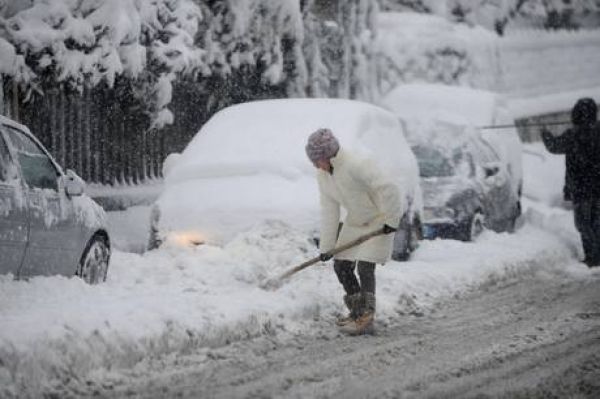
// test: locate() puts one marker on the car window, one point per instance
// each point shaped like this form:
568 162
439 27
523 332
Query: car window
432 163
37 169
4 158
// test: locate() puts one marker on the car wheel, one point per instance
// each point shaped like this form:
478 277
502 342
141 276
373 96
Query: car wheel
93 266
411 240
416 234
476 226
473 227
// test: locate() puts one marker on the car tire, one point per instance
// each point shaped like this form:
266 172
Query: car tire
411 240
416 235
474 227
93 266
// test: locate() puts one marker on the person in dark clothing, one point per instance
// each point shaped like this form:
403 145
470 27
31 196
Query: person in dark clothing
581 146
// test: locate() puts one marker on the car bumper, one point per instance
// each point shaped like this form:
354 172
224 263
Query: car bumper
446 229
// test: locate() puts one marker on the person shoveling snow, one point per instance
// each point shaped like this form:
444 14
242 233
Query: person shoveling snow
371 201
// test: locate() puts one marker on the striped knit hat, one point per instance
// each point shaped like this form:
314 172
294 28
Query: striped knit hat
322 144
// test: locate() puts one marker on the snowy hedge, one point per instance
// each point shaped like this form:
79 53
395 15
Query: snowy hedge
425 47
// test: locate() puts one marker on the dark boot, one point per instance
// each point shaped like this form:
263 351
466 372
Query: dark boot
364 323
584 222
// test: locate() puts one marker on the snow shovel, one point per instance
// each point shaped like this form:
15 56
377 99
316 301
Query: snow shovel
273 284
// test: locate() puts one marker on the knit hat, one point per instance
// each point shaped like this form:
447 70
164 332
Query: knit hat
322 144
584 112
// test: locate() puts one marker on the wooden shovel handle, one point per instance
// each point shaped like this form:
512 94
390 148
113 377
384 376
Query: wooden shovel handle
334 251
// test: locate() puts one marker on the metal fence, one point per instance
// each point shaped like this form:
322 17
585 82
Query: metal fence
104 133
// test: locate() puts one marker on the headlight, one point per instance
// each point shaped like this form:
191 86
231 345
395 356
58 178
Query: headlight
185 238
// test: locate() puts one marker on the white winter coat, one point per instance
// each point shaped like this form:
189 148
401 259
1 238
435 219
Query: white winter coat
370 198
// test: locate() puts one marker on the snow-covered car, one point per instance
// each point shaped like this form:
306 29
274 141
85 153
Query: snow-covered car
48 225
248 164
471 175
466 186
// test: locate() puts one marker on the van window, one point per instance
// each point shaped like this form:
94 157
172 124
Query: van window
37 169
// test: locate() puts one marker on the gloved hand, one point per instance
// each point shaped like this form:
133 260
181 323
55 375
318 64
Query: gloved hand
325 257
387 229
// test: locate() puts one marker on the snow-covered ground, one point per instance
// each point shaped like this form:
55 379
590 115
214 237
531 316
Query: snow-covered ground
175 299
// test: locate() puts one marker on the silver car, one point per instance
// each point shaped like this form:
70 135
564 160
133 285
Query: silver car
48 225
465 188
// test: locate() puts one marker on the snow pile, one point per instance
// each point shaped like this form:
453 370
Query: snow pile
424 47
538 62
176 299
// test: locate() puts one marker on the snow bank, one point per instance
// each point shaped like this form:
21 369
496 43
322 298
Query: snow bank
534 63
174 299
422 47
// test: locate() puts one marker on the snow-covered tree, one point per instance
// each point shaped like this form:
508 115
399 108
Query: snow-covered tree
341 63
87 42
556 14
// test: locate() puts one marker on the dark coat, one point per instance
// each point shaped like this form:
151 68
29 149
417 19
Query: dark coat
581 146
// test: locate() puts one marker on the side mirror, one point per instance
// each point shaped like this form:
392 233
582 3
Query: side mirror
74 185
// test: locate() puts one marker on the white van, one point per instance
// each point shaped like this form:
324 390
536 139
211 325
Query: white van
248 164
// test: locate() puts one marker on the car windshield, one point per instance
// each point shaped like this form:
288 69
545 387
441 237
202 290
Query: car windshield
432 162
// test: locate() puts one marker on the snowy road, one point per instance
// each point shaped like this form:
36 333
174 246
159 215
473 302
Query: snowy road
195 322
528 337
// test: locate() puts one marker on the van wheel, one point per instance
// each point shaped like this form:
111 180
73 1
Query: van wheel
411 240
476 226
93 266
416 234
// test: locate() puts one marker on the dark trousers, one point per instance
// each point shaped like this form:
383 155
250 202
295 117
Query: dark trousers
345 273
587 222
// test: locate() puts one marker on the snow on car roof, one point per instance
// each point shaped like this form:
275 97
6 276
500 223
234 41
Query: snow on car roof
270 136
438 133
460 105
